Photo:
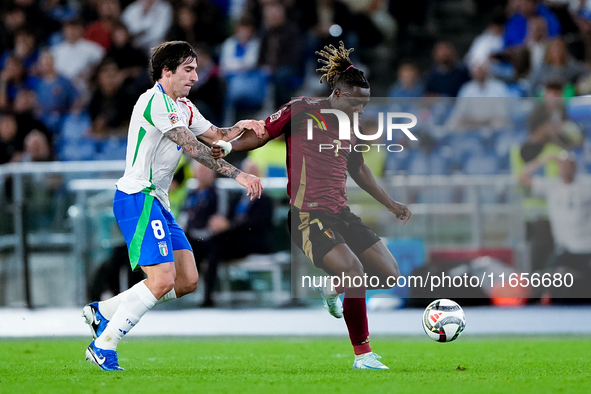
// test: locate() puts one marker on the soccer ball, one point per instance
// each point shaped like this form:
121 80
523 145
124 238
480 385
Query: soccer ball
444 320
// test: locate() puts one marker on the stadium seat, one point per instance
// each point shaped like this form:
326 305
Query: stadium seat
583 164
419 164
272 265
519 111
398 163
435 163
260 278
74 127
276 171
441 111
502 146
463 145
112 149
480 165
82 149
578 110
505 139
437 195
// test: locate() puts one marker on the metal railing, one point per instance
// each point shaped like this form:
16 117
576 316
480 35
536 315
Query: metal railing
19 182
83 189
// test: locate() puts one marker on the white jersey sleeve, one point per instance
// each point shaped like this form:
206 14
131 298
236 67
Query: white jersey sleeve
164 114
195 121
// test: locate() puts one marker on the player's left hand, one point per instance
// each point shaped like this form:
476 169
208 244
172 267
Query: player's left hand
258 126
401 211
252 184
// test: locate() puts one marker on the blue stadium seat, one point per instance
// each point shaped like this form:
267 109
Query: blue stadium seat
519 111
481 165
418 164
579 110
276 172
437 195
441 110
463 145
438 162
74 127
398 163
503 143
516 90
111 149
583 158
82 149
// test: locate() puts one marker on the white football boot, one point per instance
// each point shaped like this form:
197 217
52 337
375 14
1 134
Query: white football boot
332 302
368 361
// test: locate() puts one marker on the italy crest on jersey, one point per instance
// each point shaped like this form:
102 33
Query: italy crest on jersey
163 248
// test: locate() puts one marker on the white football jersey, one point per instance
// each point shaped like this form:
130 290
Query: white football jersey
151 158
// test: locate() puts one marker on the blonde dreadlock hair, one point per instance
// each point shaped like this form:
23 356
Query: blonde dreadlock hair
338 68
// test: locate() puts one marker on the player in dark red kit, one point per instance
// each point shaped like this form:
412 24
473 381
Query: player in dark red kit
321 223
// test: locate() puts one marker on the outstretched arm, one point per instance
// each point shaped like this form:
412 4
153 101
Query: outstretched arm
363 176
215 133
198 151
247 141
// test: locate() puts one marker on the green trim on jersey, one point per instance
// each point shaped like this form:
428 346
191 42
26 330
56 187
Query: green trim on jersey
164 97
148 112
141 136
171 103
149 189
135 246
170 106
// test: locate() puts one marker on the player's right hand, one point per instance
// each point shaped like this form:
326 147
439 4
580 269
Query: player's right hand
401 211
258 126
252 183
217 152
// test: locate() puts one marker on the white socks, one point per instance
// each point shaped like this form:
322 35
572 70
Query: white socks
135 302
108 307
171 295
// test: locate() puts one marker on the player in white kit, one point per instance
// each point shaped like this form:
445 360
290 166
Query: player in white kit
164 124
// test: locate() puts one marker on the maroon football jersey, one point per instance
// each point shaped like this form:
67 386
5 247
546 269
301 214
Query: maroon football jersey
317 177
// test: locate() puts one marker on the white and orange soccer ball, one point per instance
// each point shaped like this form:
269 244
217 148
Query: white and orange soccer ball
444 320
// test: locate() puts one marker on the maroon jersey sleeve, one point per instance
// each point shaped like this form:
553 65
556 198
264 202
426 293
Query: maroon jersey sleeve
277 121
280 122
355 159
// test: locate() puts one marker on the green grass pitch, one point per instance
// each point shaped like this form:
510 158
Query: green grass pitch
553 364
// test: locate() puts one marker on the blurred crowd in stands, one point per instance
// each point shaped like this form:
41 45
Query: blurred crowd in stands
70 70
492 82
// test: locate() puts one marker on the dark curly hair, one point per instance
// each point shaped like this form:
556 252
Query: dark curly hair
170 55
338 69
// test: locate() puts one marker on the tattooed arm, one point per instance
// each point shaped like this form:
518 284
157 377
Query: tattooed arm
215 133
198 151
